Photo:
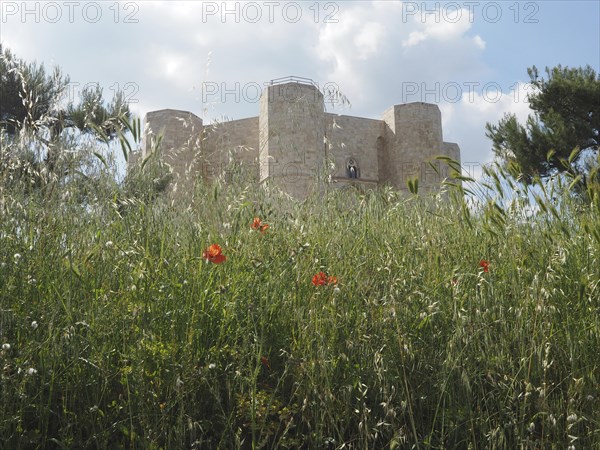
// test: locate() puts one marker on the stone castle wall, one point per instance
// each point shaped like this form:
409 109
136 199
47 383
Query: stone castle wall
227 142
354 138
293 143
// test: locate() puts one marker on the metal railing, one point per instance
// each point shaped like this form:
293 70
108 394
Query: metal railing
293 79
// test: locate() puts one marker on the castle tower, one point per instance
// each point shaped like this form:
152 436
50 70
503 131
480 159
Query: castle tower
291 135
180 131
413 137
176 128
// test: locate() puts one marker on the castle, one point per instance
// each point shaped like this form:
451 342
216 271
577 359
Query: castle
294 141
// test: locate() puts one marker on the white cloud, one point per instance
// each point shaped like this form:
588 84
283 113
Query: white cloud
378 41
368 39
450 25
479 42
414 38
464 121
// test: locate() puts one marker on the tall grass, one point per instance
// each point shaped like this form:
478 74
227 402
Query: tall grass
116 333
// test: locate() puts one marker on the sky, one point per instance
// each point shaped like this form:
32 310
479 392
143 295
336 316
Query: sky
213 58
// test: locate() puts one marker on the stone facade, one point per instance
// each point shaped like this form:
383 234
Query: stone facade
296 145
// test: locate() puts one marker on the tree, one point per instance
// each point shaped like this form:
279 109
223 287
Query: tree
27 93
30 98
564 131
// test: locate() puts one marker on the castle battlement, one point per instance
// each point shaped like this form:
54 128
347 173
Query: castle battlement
293 140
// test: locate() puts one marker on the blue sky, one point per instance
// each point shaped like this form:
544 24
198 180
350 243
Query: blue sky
195 56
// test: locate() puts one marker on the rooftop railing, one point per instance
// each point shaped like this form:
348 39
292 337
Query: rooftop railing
293 79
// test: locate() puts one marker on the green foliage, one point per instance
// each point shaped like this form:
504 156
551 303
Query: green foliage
120 335
92 114
27 93
566 116
34 100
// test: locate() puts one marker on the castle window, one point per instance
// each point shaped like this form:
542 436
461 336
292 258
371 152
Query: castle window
352 170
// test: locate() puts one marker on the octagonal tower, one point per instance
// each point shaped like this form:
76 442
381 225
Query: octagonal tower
291 134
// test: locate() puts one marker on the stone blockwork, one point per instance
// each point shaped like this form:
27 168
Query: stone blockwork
354 138
297 146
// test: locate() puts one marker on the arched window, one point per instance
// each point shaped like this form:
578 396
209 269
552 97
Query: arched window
352 169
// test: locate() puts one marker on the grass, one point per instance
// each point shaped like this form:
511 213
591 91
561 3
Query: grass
116 333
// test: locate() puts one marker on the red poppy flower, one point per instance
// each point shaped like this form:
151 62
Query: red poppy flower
214 254
485 265
321 278
265 362
258 225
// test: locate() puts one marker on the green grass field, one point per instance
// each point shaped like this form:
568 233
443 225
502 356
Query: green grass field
448 326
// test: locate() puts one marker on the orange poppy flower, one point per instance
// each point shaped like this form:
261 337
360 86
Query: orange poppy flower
258 225
214 254
321 278
265 362
485 265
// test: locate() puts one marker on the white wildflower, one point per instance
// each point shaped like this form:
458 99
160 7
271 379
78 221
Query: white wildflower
34 324
108 244
17 257
212 366
5 346
31 371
